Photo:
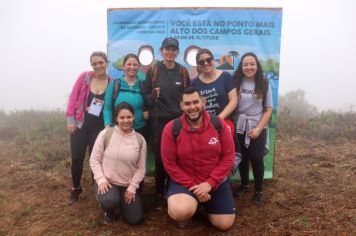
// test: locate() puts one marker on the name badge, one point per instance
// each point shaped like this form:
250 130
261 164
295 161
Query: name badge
96 106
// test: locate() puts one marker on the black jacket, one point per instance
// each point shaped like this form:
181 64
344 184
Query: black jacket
171 86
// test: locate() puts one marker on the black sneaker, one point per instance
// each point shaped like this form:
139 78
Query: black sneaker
109 218
74 194
257 198
184 224
241 190
159 202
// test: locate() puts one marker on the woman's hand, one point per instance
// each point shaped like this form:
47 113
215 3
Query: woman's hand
71 128
254 133
104 187
145 115
129 197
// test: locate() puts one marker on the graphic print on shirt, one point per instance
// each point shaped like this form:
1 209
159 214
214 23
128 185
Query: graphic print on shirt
212 103
213 141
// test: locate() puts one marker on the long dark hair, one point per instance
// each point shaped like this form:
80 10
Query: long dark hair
261 84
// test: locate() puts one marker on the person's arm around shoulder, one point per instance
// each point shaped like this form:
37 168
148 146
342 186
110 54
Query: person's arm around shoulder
108 106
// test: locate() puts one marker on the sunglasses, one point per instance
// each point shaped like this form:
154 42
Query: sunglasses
207 60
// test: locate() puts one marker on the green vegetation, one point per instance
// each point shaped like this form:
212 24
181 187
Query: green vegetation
296 117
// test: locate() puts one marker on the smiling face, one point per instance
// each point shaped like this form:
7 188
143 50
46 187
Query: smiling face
192 106
125 120
249 67
99 65
131 67
169 54
205 63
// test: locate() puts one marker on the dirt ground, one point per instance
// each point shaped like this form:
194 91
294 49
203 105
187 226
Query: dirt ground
313 193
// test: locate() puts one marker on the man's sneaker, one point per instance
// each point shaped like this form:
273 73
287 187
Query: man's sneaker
74 194
257 198
184 224
241 190
109 218
159 202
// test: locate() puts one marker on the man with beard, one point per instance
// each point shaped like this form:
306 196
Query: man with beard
198 161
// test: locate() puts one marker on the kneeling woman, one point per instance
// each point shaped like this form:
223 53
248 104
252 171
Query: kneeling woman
118 162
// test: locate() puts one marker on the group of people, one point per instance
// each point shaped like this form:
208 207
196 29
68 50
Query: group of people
199 130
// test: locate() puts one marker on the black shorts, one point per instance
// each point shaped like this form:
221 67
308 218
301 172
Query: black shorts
221 202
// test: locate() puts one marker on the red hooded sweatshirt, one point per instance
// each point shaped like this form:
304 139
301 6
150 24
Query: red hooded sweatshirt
200 155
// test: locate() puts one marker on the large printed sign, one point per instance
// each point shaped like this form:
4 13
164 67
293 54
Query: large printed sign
227 32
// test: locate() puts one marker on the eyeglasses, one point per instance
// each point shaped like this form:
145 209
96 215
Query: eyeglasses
207 60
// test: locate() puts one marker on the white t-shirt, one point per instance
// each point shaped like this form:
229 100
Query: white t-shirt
248 103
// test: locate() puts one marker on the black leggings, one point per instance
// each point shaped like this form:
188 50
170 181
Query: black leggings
79 142
161 176
254 154
114 198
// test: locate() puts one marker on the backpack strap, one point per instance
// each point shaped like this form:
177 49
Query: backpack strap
184 73
177 126
139 138
110 130
216 123
117 85
154 75
107 136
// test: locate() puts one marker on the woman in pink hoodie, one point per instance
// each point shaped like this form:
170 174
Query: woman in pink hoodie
118 162
85 116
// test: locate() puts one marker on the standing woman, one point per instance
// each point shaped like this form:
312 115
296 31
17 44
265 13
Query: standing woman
216 86
84 115
163 90
118 162
130 92
253 114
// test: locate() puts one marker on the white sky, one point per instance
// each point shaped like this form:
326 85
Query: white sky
46 44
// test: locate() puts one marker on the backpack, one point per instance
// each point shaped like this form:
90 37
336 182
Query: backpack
177 125
108 134
182 70
214 120
117 86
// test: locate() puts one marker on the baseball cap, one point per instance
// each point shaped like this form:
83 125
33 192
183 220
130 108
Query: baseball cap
167 42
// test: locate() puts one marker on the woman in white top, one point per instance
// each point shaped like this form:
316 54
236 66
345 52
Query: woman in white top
254 111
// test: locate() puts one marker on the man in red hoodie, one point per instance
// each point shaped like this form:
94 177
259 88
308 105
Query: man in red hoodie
198 161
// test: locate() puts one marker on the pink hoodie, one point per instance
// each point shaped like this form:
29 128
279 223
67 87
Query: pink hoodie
78 99
122 163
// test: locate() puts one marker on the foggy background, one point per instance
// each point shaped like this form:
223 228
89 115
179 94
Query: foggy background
45 45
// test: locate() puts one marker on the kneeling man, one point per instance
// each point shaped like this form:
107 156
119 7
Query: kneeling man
198 157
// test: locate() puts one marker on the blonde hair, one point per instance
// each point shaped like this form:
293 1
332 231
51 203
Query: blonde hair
99 54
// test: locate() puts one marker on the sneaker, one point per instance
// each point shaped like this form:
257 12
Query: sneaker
184 224
159 202
109 218
74 194
241 190
257 198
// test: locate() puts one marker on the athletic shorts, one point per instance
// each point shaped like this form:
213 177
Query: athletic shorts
221 202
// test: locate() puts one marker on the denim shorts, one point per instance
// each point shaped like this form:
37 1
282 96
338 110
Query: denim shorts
221 202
